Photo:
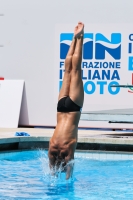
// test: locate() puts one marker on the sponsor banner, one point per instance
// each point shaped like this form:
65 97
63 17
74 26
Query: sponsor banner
107 60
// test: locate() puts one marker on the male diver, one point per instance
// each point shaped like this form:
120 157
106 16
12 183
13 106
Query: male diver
70 101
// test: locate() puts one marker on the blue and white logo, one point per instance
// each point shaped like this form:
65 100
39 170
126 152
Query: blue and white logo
98 42
101 61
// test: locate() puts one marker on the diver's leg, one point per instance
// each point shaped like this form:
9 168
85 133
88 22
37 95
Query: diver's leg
68 66
76 92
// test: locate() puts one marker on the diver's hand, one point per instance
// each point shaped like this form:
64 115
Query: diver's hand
62 152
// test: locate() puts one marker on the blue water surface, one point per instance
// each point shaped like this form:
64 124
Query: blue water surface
26 176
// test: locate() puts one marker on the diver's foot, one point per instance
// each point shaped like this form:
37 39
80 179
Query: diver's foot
79 30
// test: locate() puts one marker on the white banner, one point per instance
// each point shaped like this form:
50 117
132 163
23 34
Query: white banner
107 60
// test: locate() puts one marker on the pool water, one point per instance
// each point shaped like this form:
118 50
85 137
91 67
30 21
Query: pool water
25 176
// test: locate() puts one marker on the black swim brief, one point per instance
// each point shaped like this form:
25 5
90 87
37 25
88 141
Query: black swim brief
67 105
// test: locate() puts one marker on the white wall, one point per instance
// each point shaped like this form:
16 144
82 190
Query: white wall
27 33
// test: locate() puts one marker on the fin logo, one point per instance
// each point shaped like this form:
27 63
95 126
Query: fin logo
91 41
